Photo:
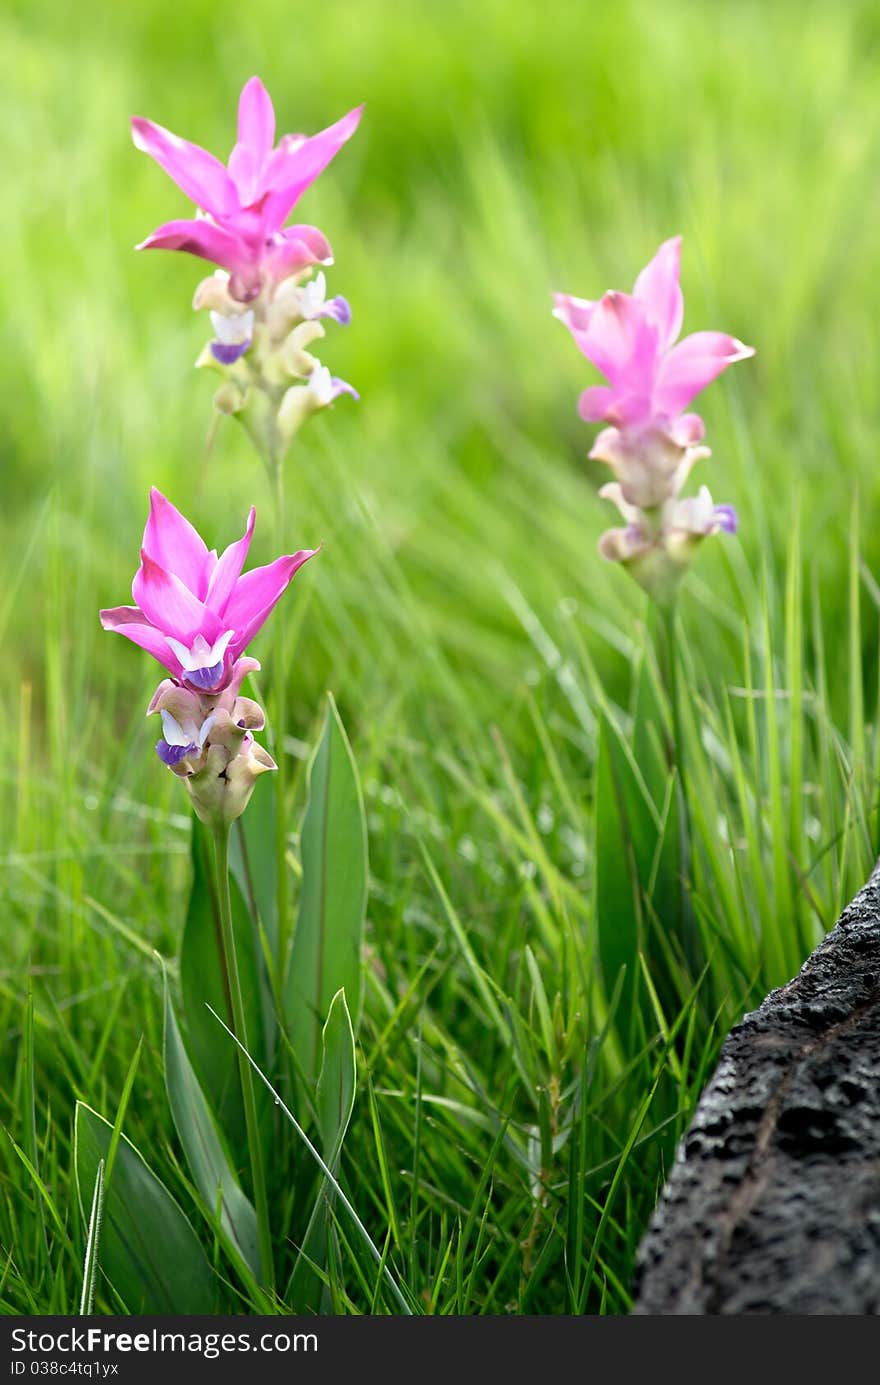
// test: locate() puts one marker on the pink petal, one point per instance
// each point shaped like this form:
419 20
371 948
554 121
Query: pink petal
622 343
595 403
114 616
691 365
170 606
294 248
176 545
574 312
687 430
658 288
256 135
256 118
256 593
206 240
228 570
295 165
144 635
202 177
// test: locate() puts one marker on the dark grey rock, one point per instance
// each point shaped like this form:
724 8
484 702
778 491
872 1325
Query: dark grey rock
773 1203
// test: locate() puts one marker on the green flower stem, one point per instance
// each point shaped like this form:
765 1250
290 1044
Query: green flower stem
675 753
279 684
263 432
233 985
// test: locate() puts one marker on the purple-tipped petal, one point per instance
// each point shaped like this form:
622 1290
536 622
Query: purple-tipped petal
227 353
208 242
170 606
338 308
176 545
228 569
658 288
172 755
296 163
343 387
691 365
205 679
257 592
196 172
727 518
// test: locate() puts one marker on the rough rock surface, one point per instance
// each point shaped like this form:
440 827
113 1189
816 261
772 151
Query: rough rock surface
773 1203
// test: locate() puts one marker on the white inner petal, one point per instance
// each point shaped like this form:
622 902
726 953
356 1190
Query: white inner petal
233 330
321 384
313 295
200 654
206 727
173 731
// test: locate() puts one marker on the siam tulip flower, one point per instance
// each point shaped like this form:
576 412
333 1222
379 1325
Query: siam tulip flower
651 441
631 339
264 309
194 612
243 206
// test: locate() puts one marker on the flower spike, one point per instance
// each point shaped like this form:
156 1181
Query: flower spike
651 442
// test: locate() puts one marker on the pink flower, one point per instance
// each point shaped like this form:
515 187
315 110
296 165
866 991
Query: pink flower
631 339
246 203
194 612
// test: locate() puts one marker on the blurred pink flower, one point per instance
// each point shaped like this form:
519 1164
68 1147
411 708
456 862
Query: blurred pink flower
631 339
245 204
194 612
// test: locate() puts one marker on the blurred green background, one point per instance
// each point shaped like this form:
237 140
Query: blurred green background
507 150
459 609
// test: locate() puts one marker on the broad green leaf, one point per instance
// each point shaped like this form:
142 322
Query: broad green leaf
335 1100
203 984
148 1253
207 1158
326 953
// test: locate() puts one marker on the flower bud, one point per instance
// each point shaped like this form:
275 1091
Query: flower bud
230 398
221 789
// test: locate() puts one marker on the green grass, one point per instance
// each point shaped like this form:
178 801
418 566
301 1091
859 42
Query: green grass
509 1137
